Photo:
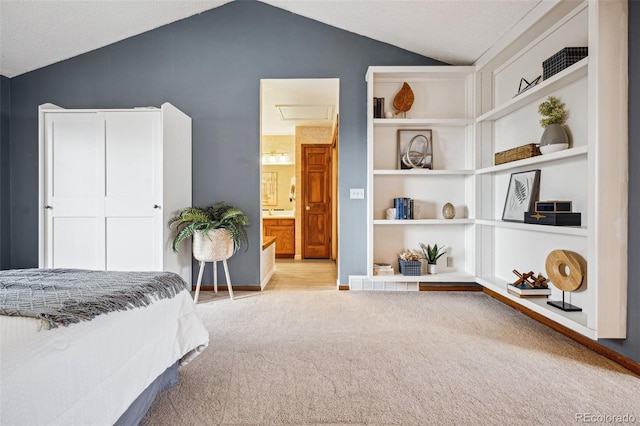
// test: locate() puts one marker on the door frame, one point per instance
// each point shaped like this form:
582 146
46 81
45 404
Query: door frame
334 176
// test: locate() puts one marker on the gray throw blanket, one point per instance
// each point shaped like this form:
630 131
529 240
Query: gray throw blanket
67 296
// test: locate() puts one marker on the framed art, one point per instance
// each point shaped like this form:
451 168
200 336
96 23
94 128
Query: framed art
415 149
269 188
521 195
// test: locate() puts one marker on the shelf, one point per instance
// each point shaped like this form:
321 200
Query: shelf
407 122
441 277
410 172
410 73
579 231
423 221
576 321
573 73
545 158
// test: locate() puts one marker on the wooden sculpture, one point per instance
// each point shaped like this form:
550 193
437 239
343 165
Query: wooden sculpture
404 99
529 279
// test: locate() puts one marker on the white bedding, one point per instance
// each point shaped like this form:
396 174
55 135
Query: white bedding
89 373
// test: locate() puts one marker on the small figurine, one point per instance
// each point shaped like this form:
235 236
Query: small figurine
529 279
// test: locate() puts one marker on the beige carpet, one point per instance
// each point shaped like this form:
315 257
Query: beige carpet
329 357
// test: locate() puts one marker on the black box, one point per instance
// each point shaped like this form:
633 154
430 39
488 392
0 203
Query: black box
563 59
556 218
553 206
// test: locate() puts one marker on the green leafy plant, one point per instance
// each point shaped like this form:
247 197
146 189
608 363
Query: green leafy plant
432 254
552 111
218 216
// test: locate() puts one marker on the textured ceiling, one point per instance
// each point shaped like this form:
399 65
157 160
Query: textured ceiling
36 33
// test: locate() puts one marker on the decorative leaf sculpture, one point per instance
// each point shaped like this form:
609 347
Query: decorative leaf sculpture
404 99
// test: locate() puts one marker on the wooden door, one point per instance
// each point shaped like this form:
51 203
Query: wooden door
73 201
133 188
316 199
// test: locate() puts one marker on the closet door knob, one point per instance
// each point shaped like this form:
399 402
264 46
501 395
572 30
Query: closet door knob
307 208
156 206
48 207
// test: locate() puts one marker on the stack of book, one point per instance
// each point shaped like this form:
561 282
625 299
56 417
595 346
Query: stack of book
525 290
404 207
383 269
378 107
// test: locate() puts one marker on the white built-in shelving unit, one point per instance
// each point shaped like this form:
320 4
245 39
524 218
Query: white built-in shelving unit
473 113
444 104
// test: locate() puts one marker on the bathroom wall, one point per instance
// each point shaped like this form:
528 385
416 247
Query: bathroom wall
284 173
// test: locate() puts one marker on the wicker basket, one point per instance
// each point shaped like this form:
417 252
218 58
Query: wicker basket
214 246
524 151
562 60
410 267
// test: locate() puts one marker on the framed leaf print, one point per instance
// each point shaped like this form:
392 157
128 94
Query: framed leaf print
521 195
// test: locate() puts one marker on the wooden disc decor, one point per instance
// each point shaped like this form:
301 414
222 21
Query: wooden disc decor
556 264
404 99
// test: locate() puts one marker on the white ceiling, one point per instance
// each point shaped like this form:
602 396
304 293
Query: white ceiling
37 33
296 92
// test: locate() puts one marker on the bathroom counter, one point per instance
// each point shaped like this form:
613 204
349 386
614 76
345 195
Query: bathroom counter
267 241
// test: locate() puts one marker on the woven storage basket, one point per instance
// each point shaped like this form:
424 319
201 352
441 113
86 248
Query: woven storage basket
216 245
410 267
562 60
519 153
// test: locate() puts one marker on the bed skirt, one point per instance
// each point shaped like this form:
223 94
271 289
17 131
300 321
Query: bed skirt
136 411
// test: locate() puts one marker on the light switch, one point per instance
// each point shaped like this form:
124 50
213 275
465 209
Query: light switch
356 193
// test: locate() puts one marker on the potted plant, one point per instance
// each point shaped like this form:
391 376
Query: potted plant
218 231
431 255
554 138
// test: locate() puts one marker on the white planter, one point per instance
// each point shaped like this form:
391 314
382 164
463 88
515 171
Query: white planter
432 268
213 246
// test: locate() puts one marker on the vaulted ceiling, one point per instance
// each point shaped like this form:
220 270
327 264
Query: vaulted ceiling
37 33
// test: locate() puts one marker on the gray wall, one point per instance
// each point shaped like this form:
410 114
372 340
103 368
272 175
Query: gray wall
210 66
5 224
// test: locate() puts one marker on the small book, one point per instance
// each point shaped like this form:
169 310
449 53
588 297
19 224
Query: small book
524 290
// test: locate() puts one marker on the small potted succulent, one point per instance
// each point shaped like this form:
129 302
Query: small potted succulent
554 138
431 255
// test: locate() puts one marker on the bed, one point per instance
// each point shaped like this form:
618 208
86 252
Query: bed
100 362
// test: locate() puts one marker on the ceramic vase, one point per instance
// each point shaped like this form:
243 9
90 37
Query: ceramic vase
448 211
554 138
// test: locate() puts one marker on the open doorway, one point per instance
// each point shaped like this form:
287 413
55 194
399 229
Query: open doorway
299 181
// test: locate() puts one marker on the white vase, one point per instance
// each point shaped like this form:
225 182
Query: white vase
554 138
213 246
432 268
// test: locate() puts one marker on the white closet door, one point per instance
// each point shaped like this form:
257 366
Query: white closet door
133 190
74 208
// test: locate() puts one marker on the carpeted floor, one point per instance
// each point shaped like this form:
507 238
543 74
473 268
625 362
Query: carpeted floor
329 357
